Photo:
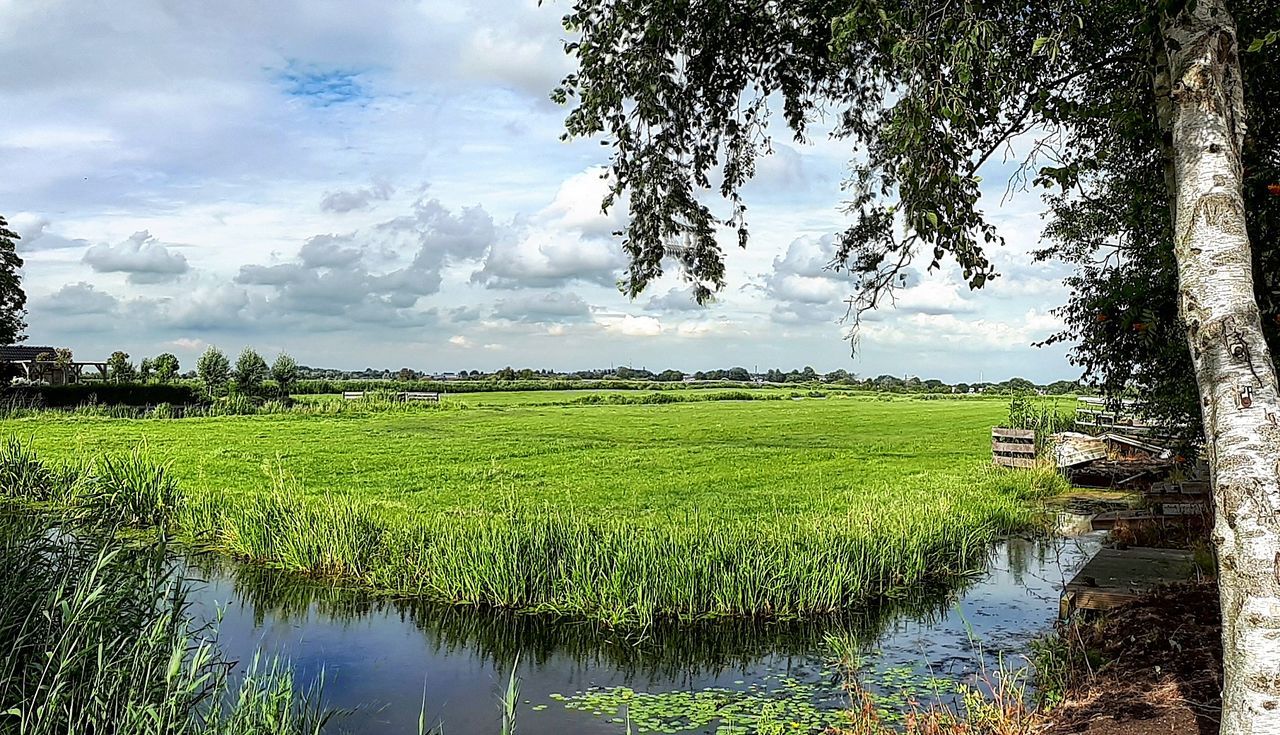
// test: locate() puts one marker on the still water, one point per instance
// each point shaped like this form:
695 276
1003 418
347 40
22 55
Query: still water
389 661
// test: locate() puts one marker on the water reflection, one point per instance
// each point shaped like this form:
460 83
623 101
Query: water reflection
389 657
678 652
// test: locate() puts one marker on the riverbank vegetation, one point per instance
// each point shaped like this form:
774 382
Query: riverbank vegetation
98 639
620 514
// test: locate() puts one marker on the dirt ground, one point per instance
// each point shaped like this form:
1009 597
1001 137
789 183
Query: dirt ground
1155 668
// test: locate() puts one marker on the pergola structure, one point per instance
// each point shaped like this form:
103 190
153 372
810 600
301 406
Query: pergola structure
43 364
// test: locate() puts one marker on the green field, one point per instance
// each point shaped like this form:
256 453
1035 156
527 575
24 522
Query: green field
613 512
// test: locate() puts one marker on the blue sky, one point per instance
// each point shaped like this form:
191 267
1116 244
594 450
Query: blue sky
387 187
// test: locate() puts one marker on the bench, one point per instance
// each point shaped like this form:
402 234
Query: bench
405 396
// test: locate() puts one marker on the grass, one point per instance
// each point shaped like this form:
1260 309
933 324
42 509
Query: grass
616 513
97 639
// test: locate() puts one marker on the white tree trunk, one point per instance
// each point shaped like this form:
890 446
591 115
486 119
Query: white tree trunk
1234 369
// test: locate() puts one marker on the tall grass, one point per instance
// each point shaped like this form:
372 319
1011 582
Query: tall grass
617 570
98 640
1043 415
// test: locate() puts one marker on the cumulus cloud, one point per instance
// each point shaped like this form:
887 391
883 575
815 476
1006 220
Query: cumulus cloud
569 240
948 332
675 300
548 258
35 234
144 258
806 290
333 274
533 63
802 287
628 325
541 308
78 299
577 206
350 200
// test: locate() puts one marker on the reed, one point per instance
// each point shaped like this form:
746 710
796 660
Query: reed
98 640
623 515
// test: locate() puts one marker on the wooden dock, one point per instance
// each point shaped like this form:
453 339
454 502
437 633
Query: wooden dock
1116 576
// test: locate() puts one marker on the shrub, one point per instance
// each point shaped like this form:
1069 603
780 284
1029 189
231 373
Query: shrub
111 394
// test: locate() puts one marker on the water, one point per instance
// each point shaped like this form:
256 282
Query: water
387 660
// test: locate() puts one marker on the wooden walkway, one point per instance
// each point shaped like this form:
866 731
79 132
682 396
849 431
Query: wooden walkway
1116 576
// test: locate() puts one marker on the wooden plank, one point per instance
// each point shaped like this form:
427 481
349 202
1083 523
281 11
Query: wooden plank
1003 433
1184 509
1116 576
1014 462
1013 448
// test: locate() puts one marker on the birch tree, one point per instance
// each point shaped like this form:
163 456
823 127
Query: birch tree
926 94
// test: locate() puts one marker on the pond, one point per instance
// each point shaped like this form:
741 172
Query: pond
388 662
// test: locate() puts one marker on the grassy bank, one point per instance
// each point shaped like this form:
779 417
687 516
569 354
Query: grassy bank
617 513
97 640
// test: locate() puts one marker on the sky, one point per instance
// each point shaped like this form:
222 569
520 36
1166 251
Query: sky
388 187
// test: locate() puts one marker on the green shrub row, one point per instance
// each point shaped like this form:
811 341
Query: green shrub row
317 386
114 394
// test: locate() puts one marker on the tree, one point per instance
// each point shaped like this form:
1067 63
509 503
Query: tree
119 369
930 92
13 300
285 372
214 369
166 367
250 371
145 368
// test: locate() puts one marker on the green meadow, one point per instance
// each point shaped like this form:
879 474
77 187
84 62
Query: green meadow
616 513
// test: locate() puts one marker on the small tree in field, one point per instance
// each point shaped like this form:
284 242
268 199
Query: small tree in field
250 371
285 372
145 369
166 367
119 369
214 369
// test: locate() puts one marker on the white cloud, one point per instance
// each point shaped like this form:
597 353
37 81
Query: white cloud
546 307
632 326
350 200
264 137
144 258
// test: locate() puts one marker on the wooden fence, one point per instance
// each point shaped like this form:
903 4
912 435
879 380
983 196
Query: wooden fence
1013 447
404 396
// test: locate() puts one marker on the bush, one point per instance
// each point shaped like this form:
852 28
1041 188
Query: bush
111 394
324 386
